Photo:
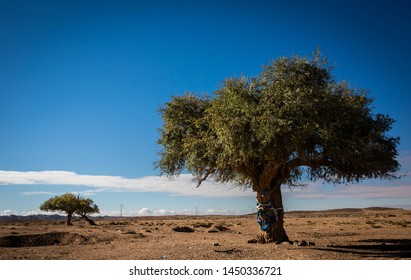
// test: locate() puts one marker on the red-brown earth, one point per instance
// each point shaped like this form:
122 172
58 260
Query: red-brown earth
343 234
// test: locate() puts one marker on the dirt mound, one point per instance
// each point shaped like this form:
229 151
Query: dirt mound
183 229
45 239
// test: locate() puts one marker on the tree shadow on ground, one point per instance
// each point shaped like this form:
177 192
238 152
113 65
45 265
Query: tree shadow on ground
375 248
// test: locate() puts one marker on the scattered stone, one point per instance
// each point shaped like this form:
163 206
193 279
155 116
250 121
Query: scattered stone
222 228
216 244
252 241
213 230
283 242
304 243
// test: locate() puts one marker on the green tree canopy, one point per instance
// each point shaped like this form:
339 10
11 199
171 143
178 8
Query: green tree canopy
292 122
71 204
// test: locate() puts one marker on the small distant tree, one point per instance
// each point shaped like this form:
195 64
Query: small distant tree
71 205
294 122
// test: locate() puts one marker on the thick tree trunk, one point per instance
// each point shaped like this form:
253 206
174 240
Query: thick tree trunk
90 221
270 214
69 217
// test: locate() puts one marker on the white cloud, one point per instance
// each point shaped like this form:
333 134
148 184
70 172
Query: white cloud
134 213
167 212
37 193
184 186
155 212
219 212
6 212
145 212
36 212
24 213
181 186
392 189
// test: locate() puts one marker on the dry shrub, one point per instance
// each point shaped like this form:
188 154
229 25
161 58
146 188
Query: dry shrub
183 229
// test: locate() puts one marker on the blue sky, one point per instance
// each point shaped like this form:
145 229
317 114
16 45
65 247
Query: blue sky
81 83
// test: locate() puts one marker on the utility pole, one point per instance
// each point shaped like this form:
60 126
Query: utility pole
121 209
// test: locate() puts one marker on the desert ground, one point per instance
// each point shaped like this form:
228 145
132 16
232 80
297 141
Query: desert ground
344 234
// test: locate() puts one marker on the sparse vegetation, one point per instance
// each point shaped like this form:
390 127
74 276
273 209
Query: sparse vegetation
183 229
373 224
202 224
401 223
358 237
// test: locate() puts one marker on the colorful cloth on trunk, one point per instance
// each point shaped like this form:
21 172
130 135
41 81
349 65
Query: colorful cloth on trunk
267 215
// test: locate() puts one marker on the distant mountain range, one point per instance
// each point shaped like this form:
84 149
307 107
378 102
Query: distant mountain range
38 217
57 217
45 217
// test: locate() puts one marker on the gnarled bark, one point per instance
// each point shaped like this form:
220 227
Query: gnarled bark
270 211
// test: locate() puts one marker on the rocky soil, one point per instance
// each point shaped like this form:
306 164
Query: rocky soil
347 234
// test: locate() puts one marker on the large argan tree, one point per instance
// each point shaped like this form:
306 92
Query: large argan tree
292 123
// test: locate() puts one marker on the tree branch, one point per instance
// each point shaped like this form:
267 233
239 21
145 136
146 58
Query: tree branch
208 172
